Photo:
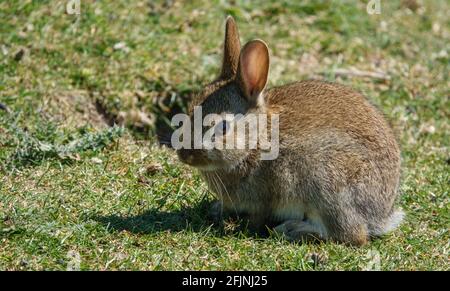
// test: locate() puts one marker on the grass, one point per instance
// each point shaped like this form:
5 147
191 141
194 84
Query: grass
74 188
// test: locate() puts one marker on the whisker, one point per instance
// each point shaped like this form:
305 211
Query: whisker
220 192
228 194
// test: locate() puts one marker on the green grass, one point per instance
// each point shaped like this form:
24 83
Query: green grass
70 184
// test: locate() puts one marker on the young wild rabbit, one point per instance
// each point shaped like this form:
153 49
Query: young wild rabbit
337 173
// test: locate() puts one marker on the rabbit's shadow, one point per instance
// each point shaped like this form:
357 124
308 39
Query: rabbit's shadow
193 218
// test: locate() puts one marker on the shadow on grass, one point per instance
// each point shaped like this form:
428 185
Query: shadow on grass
194 219
152 221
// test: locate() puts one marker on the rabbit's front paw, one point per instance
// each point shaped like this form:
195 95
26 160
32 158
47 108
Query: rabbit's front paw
299 230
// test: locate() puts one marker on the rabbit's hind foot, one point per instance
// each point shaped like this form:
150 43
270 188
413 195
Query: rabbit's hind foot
301 230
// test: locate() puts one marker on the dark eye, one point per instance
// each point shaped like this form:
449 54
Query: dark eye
222 127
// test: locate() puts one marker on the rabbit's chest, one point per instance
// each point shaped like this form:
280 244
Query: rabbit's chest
241 195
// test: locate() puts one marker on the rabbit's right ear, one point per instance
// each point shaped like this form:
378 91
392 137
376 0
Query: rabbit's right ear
231 50
253 71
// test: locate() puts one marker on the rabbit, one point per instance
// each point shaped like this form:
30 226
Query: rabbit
337 173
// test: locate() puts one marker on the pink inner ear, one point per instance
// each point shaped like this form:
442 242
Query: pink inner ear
254 63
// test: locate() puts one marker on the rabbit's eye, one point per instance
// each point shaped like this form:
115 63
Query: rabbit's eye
222 127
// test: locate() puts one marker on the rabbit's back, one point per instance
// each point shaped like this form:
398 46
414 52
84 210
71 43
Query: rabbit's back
308 107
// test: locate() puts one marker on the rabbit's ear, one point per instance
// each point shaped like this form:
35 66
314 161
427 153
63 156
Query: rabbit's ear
253 70
232 48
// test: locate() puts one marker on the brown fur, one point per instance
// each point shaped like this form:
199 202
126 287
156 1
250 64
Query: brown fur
337 173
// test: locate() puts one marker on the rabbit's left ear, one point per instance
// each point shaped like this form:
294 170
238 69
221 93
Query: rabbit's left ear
253 70
231 50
